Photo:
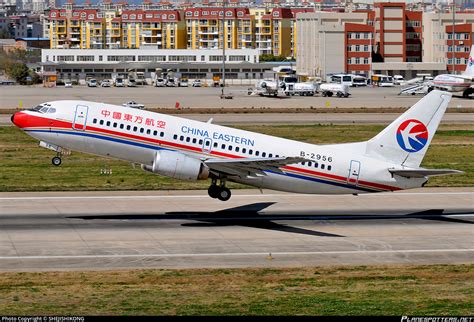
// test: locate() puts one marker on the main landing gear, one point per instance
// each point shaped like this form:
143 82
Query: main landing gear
56 160
219 192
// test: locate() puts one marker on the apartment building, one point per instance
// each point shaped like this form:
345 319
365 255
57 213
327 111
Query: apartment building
207 28
101 29
160 29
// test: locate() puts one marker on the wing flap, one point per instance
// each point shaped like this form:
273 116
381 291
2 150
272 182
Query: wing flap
250 167
420 173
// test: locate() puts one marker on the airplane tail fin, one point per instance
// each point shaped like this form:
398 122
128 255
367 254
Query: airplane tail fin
406 140
470 64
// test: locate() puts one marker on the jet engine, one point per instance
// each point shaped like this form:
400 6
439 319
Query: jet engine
177 165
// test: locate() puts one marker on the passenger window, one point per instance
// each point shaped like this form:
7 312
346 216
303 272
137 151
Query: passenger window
263 154
309 164
175 137
200 142
223 146
277 156
188 139
94 121
128 127
322 166
194 140
329 168
148 131
181 138
101 122
121 126
315 164
250 151
257 153
270 155
135 129
115 124
162 134
237 149
108 123
215 144
244 150
230 147
155 132
142 130
208 143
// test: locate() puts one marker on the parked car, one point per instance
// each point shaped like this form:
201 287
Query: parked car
105 83
68 84
159 82
92 82
131 83
170 82
197 83
134 104
183 83
119 82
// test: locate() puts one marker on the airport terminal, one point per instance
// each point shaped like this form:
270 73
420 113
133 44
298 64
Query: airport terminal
232 158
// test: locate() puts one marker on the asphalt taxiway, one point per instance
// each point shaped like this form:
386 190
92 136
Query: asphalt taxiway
187 229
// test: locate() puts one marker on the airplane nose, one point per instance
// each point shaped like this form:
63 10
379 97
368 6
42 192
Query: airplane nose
19 119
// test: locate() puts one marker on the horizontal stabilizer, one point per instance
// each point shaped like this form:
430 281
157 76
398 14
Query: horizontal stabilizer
420 173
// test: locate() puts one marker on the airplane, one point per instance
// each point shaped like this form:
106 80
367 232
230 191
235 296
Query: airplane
457 83
190 150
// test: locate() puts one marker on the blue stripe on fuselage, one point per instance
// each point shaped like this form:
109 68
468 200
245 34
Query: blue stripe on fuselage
152 147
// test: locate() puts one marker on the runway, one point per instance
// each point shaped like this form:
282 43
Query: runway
186 229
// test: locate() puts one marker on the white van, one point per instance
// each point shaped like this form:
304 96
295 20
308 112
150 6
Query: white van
343 79
358 80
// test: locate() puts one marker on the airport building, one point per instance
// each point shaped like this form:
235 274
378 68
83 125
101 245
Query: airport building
389 39
79 64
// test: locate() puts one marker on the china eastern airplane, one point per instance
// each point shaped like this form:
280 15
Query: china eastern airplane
457 83
191 150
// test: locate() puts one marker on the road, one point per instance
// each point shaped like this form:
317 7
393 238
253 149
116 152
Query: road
186 229
152 97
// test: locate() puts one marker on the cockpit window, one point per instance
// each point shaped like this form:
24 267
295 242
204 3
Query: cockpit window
37 108
45 108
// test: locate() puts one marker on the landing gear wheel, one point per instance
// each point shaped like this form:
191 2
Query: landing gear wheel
224 194
56 161
213 191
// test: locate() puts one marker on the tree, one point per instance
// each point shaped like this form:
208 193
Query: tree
18 71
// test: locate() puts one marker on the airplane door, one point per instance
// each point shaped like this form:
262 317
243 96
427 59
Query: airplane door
354 171
207 145
80 117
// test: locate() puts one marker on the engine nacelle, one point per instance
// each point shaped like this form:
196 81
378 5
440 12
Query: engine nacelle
177 165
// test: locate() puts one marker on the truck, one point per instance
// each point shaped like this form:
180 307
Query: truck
301 89
265 87
329 89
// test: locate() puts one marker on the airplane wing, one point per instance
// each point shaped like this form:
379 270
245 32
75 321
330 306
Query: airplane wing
250 167
420 173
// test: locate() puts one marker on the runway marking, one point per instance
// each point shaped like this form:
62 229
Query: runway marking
236 254
234 196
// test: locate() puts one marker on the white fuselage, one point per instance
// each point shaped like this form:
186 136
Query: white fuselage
136 135
450 83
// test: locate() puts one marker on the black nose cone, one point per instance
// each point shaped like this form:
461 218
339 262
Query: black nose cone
13 117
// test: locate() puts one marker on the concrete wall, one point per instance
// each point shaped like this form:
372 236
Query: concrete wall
320 41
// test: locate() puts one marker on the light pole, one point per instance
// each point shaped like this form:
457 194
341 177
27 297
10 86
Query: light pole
223 49
452 35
